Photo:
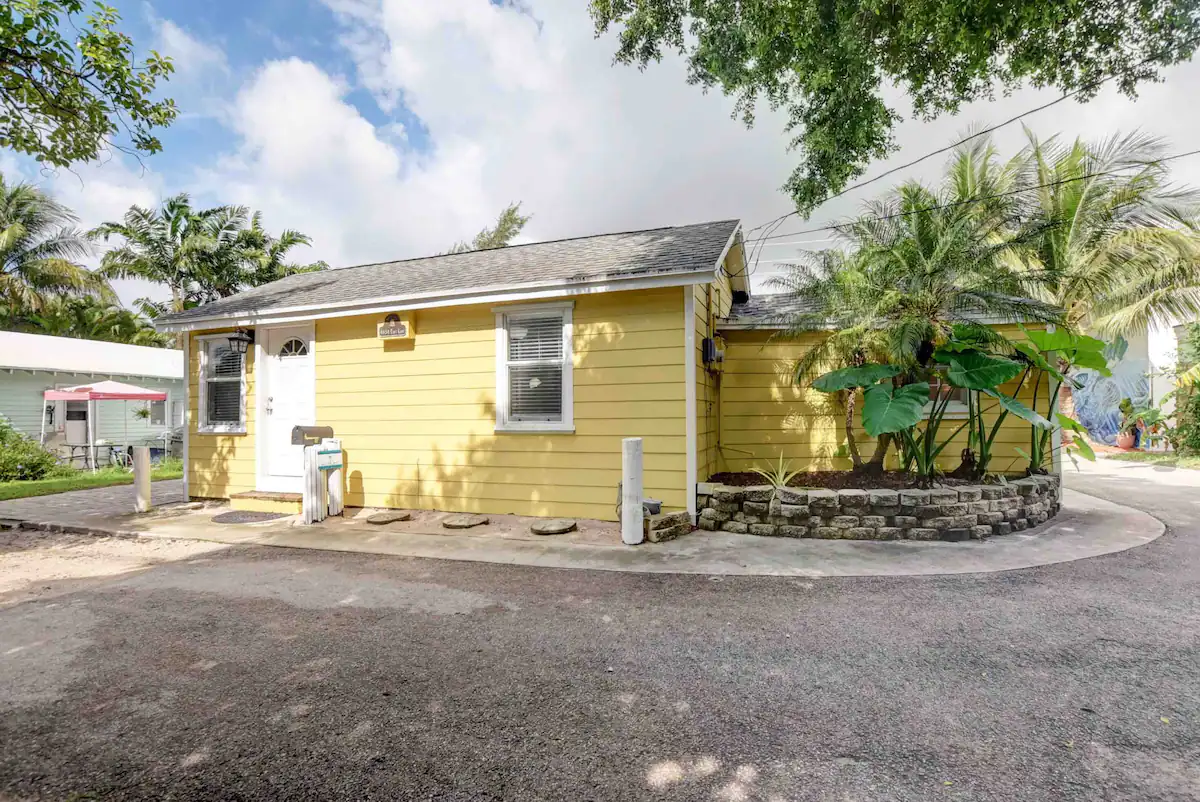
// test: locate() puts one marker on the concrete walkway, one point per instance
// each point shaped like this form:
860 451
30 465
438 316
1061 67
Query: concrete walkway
1087 527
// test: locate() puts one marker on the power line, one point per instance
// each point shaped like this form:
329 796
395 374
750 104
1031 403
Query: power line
749 271
964 140
837 227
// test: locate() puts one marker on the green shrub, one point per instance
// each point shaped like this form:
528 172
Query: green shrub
21 457
1186 437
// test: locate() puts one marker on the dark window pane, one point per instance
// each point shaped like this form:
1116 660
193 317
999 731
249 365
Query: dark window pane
535 392
535 338
224 402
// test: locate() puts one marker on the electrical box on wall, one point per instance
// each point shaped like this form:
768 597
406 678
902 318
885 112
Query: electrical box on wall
712 350
396 327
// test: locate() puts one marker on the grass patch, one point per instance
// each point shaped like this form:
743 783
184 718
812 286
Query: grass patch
82 480
1170 459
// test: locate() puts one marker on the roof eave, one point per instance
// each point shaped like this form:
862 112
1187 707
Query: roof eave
477 295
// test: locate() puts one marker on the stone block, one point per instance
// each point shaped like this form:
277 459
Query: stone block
755 507
956 534
943 496
885 509
904 521
1020 524
708 524
1040 518
978 506
990 492
1027 487
823 502
886 498
727 506
668 533
789 495
774 507
980 532
1012 515
667 520
861 533
706 488
826 532
968 494
939 523
844 521
888 532
953 509
1008 491
852 499
793 531
736 527
766 530
921 533
759 493
793 511
927 512
710 514
914 498
990 518
1002 528
963 521
874 520
727 494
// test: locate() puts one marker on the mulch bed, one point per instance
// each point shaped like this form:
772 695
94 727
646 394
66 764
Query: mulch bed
840 480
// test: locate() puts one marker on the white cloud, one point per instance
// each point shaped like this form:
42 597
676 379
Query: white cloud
192 58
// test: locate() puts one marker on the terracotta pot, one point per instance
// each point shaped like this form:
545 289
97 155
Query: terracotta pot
1125 440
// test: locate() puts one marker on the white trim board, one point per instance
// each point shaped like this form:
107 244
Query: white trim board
523 292
689 394
202 391
567 425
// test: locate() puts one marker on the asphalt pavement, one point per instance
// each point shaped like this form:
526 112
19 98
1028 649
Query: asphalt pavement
256 673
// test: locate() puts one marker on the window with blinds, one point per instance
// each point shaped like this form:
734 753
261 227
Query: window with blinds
534 361
222 404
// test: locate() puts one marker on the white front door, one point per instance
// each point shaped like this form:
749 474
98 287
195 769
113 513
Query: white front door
288 400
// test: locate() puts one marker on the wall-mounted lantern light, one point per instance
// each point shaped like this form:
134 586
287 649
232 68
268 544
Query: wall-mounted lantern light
241 340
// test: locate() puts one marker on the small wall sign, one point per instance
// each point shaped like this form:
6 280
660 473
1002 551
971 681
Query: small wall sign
395 327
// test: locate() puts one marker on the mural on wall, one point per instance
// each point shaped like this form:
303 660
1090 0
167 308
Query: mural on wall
1097 402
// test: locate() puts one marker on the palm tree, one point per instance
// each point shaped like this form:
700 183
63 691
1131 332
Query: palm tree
200 255
921 267
39 251
92 319
170 246
1118 245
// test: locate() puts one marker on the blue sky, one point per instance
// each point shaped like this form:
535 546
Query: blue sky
391 128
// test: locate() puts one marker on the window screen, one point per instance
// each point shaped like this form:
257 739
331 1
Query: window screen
158 413
535 367
222 384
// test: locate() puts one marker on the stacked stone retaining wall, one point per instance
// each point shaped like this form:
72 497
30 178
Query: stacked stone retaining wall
944 513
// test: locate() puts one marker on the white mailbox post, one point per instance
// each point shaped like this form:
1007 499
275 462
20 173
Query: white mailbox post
322 480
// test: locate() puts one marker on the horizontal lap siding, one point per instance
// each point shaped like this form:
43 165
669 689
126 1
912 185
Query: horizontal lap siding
417 419
712 301
765 414
219 465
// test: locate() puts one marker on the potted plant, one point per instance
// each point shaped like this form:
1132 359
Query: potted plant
1133 421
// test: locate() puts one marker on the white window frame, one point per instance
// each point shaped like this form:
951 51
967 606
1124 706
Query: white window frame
503 315
955 410
202 424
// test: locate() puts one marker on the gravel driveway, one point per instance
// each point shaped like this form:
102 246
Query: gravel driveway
279 674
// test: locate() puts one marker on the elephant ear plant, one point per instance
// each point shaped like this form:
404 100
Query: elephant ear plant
1054 356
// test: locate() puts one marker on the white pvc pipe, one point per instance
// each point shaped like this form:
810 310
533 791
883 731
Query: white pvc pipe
187 411
141 478
91 421
631 491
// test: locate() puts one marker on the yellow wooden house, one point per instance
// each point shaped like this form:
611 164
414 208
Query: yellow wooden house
504 381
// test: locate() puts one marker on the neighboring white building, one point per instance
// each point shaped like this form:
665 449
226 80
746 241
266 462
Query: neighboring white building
30 364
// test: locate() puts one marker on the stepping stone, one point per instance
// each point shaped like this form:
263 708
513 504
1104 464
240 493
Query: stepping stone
464 521
552 526
390 517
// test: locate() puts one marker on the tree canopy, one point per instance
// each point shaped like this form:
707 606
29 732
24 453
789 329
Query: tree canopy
63 100
827 62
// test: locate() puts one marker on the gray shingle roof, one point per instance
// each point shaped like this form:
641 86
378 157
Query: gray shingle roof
657 251
770 311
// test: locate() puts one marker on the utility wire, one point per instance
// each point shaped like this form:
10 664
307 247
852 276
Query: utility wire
837 228
964 140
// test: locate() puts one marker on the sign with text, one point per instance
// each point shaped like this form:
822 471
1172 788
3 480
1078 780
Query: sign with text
395 327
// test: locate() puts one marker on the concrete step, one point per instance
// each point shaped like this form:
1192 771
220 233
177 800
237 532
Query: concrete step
264 501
